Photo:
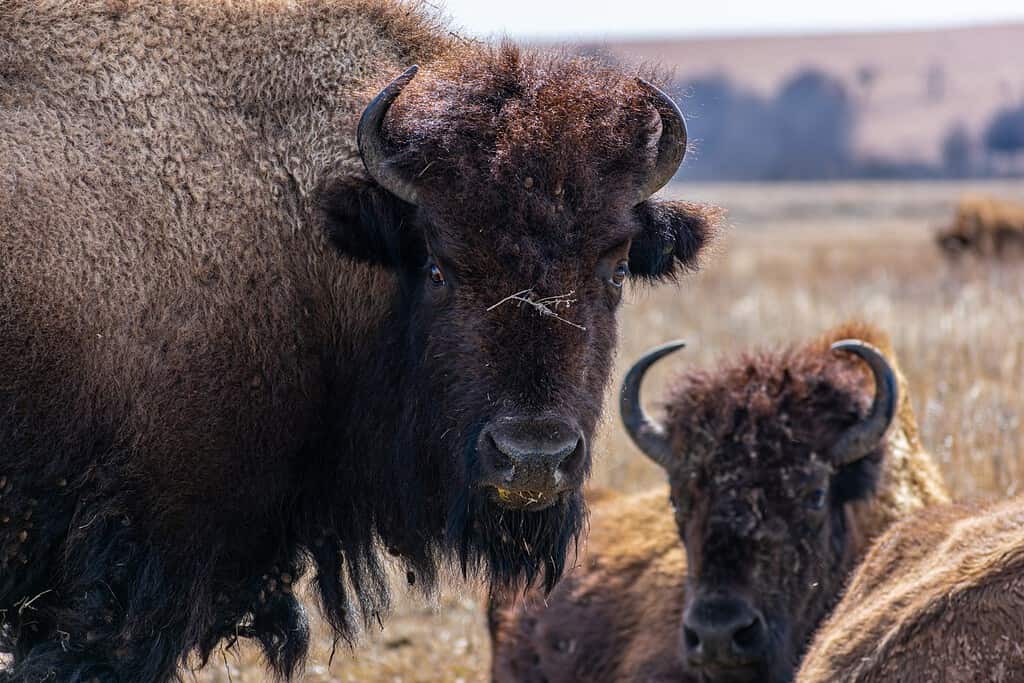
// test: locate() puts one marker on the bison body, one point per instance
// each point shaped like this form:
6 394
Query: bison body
940 597
986 228
768 523
256 321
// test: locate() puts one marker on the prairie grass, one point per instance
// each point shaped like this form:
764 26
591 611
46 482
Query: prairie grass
798 259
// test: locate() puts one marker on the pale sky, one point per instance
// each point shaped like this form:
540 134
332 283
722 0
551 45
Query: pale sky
597 19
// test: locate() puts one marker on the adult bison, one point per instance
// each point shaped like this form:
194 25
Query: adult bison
252 322
781 467
940 597
985 227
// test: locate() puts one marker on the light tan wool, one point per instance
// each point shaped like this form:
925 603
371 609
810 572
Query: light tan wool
940 597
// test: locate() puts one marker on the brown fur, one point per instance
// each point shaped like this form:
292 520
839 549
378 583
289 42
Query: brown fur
939 598
220 360
617 617
985 227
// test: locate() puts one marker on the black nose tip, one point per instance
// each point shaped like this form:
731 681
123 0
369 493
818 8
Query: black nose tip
725 631
532 452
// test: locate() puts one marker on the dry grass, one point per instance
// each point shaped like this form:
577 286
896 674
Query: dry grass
799 259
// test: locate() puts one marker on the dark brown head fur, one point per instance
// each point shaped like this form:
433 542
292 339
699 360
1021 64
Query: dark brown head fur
526 223
761 509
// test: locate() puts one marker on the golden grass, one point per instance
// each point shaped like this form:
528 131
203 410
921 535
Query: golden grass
800 259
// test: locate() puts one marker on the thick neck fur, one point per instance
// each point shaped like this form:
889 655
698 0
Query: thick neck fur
413 484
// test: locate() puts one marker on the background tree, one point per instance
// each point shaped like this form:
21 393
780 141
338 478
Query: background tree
957 151
815 122
1004 137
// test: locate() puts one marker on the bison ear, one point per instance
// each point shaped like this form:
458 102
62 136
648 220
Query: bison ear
857 480
368 223
671 239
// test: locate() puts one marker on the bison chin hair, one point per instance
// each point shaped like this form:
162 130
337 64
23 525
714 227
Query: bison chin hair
514 549
442 519
511 549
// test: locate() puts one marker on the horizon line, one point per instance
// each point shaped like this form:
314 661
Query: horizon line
656 36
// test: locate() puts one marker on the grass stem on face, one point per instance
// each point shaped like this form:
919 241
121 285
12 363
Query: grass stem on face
545 306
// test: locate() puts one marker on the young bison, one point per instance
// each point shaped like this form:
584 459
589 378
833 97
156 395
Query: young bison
940 597
781 468
255 315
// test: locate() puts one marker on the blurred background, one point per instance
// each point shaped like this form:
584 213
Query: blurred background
840 138
797 89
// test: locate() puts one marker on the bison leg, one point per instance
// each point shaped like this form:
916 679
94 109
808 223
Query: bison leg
86 594
268 613
112 612
138 623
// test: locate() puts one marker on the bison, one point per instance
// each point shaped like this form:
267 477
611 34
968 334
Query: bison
940 597
268 310
781 468
985 227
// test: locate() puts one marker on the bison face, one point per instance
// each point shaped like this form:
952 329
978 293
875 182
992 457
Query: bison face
511 234
763 459
953 245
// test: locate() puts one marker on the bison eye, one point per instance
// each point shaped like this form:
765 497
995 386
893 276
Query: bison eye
620 273
436 276
815 500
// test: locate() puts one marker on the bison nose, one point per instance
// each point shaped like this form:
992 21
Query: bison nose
532 454
724 631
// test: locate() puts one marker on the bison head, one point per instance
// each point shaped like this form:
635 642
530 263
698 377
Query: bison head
509 196
763 458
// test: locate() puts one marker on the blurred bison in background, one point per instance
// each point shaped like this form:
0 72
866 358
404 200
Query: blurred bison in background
984 227
782 467
252 322
940 597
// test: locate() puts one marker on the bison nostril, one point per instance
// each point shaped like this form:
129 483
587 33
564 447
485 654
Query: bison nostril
500 460
723 630
574 458
749 636
691 638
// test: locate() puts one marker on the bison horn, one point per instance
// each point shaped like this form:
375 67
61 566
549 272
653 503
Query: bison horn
371 147
671 144
648 435
861 438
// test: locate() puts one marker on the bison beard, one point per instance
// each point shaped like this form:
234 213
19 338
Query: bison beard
509 548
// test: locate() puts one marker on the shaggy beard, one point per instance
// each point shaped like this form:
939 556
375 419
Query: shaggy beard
509 549
514 549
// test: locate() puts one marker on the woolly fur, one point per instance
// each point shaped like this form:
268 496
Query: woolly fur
210 378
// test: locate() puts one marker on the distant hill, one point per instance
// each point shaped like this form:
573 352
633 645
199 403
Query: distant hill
908 89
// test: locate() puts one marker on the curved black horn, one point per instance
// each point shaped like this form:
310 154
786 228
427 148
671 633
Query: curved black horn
648 435
371 147
861 438
671 143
